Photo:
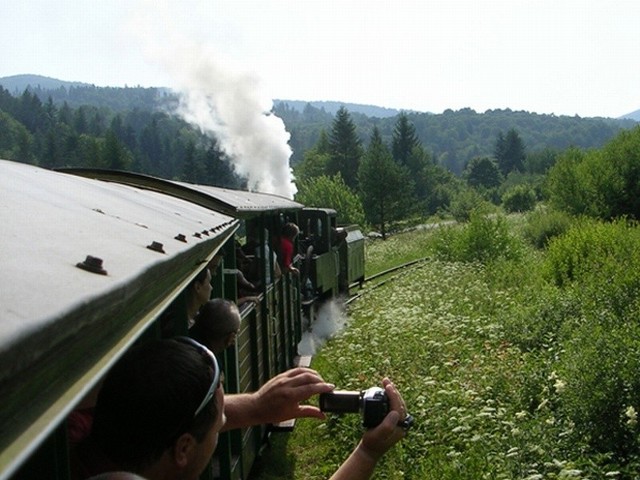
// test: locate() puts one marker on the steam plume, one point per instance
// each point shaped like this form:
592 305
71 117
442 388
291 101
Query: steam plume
330 319
225 102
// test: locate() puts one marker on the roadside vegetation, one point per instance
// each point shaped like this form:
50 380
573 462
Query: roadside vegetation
516 345
517 361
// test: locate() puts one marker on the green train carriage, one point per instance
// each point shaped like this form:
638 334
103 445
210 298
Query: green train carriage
89 269
94 261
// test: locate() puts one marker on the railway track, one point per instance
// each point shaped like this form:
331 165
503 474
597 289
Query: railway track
384 276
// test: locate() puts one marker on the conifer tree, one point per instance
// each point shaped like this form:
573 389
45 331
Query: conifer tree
483 172
114 155
404 139
509 152
192 171
385 186
345 149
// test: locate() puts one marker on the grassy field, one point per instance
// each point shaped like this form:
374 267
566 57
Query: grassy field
508 372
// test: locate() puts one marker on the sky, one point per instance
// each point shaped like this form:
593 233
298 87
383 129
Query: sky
563 57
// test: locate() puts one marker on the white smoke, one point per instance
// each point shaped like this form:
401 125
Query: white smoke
330 319
224 102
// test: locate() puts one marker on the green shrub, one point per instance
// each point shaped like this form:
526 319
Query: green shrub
599 183
591 247
520 198
332 192
543 225
483 239
542 317
601 388
465 203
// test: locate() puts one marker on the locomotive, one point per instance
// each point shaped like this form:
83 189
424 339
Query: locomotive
95 261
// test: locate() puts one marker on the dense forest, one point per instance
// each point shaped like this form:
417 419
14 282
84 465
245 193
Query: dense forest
432 163
453 138
107 134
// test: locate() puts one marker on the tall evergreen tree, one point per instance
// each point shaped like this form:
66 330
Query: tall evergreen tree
65 115
218 169
345 149
510 152
51 155
88 153
483 172
80 124
386 187
323 145
404 139
192 170
152 148
114 155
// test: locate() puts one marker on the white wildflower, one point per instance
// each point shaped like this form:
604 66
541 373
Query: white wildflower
632 416
460 428
559 386
543 404
571 472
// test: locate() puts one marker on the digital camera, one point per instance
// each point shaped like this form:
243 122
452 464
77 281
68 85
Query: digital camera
372 403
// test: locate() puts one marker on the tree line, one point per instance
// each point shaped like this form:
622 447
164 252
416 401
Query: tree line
384 183
387 184
148 141
377 172
453 138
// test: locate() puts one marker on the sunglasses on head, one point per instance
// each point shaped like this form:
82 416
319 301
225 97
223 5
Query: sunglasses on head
211 359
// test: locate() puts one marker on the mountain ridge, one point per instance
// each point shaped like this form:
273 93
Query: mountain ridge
16 84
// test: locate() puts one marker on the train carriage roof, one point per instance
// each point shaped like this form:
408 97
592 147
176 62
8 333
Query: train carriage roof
237 203
61 325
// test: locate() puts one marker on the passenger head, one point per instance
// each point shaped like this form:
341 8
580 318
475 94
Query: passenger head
216 324
290 230
161 407
198 291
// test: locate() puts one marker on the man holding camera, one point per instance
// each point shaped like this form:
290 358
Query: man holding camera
162 406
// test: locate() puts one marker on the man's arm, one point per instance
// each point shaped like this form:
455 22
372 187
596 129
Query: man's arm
376 441
279 399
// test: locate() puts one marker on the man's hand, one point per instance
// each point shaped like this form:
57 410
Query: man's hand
277 400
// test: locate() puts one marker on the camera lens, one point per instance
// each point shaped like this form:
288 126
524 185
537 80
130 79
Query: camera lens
340 401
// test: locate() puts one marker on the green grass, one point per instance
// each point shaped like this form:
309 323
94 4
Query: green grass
381 255
498 366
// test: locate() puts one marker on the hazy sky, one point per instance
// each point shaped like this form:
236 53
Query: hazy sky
548 56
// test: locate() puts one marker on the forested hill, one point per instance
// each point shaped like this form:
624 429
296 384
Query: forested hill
136 115
77 94
455 137
333 107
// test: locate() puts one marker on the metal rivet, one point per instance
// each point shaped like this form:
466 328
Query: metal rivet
92 264
156 247
181 238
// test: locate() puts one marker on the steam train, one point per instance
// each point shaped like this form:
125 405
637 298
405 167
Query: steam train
92 261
